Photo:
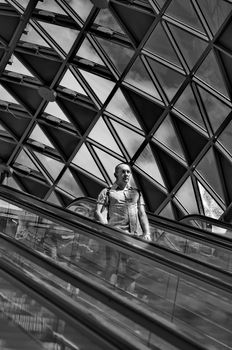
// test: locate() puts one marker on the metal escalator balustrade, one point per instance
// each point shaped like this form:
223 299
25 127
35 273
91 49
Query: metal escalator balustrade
204 246
175 291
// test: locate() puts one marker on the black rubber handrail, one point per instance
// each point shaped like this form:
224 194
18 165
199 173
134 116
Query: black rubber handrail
74 314
193 233
146 318
206 220
185 266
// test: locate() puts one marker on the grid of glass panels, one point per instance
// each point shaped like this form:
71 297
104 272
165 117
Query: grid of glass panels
86 84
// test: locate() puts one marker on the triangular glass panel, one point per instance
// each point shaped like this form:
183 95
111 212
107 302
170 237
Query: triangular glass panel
166 135
187 197
112 50
87 51
161 2
84 160
226 137
17 67
31 36
167 212
169 79
159 44
139 77
211 207
24 160
3 129
53 199
102 87
119 106
217 111
184 12
215 12
210 173
108 162
6 96
69 185
147 163
63 36
106 19
191 46
23 3
130 139
52 166
102 135
38 135
70 82
209 73
53 109
9 181
187 105
82 7
50 5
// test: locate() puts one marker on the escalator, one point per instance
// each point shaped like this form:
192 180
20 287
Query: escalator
194 296
205 244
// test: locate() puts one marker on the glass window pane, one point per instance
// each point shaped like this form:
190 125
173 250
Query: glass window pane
217 111
5 96
108 162
101 134
215 12
81 7
186 196
51 165
32 36
169 79
119 55
88 52
49 5
70 82
139 78
69 185
53 199
184 12
187 105
38 135
209 73
84 160
167 212
147 163
102 87
24 159
208 169
119 106
63 36
159 44
53 109
17 67
107 20
211 207
130 139
191 46
226 137
166 134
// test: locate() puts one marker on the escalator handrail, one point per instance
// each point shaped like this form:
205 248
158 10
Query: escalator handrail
71 312
186 266
147 319
181 229
206 220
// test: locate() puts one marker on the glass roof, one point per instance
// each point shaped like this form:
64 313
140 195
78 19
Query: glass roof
84 86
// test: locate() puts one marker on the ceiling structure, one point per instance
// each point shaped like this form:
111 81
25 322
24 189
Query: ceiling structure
86 85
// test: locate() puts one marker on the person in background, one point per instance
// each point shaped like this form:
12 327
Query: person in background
122 206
